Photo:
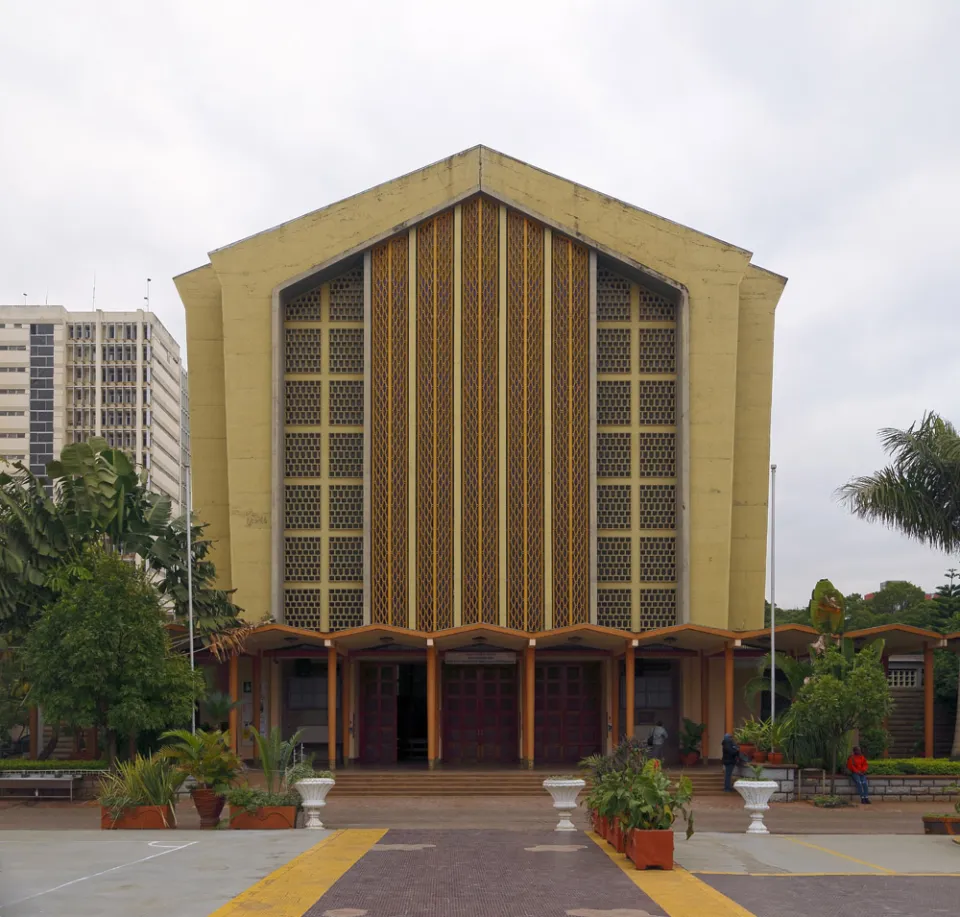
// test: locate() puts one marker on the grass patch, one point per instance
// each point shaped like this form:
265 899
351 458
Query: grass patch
830 802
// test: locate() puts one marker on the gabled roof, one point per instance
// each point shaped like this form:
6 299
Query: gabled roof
322 237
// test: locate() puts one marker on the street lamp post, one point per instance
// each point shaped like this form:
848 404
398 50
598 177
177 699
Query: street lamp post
773 593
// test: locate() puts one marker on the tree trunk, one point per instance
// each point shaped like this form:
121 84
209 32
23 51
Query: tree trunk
833 769
112 749
955 751
51 746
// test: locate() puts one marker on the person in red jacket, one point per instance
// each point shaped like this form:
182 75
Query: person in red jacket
857 767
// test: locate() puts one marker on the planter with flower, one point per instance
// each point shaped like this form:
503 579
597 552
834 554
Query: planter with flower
944 824
276 804
776 736
313 787
691 738
762 741
140 794
608 799
606 772
207 758
746 735
653 806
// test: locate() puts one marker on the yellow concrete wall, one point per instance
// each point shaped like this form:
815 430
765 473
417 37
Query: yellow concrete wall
759 293
710 271
200 292
729 345
249 271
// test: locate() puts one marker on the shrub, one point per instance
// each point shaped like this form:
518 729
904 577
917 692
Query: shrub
928 767
875 741
152 781
830 802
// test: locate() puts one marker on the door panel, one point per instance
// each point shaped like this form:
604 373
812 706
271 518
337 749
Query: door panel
378 713
480 714
568 704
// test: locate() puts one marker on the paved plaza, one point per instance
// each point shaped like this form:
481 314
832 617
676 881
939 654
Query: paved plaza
485 872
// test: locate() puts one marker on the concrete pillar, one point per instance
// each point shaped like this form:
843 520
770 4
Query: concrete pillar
705 705
431 704
630 677
728 688
331 704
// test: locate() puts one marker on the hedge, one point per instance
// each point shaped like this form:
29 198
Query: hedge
926 767
29 764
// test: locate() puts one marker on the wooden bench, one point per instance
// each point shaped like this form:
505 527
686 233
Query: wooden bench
29 787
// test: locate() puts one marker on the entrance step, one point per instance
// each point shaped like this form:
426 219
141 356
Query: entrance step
488 783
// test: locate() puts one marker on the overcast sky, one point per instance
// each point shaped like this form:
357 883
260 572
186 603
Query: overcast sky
822 136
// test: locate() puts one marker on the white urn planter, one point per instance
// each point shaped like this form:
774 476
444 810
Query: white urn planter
313 791
756 797
564 791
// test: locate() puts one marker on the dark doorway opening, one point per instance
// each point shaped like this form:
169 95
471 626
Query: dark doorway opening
568 702
480 714
393 710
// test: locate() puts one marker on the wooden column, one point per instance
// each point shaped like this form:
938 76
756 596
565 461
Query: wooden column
235 697
255 686
728 688
431 704
615 701
630 679
885 662
331 704
928 701
345 703
705 705
34 726
529 676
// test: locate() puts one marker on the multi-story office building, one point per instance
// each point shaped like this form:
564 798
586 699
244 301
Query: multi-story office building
66 376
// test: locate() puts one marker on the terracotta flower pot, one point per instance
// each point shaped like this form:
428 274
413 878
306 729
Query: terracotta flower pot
209 805
616 836
775 757
602 826
150 818
747 750
650 849
758 757
690 758
265 818
941 824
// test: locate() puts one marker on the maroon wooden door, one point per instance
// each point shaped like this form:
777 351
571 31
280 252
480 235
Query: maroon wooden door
378 713
568 704
480 714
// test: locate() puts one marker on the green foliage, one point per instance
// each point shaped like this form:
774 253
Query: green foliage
757 771
896 597
830 802
99 499
749 732
205 756
304 771
150 781
827 608
654 803
248 799
691 735
276 755
30 764
218 704
100 655
847 691
875 741
13 696
630 754
794 672
927 767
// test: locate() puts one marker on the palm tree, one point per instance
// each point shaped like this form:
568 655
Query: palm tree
795 671
918 493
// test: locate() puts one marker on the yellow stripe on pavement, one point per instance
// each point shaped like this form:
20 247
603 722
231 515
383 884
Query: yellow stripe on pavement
292 889
677 892
843 856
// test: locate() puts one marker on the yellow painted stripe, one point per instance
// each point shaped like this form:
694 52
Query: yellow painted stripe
843 856
293 889
677 892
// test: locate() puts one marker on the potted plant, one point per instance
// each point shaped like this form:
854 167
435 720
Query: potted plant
141 793
207 758
630 754
313 787
609 798
762 742
217 706
944 824
652 809
564 791
776 736
756 793
691 737
276 805
745 735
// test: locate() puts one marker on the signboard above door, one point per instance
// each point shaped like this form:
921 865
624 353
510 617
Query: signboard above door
479 657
